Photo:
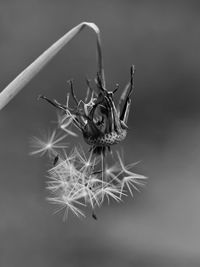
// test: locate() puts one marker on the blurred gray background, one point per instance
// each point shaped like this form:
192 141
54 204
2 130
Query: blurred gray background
160 227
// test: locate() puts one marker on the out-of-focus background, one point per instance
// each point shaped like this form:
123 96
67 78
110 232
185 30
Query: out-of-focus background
160 227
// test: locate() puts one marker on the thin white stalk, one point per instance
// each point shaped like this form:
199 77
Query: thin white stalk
36 66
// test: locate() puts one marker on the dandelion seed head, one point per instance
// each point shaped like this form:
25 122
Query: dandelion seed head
77 181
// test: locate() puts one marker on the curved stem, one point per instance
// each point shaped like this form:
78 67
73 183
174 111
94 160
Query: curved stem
36 66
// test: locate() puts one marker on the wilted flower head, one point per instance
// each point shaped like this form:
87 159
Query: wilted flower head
100 121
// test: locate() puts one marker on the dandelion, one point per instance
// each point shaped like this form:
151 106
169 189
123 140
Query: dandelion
79 179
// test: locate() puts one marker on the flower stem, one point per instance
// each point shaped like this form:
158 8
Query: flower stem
36 66
103 169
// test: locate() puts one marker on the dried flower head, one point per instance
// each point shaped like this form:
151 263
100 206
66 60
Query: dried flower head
100 121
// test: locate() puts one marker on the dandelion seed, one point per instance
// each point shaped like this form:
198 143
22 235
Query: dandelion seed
109 192
48 145
130 179
112 173
67 205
